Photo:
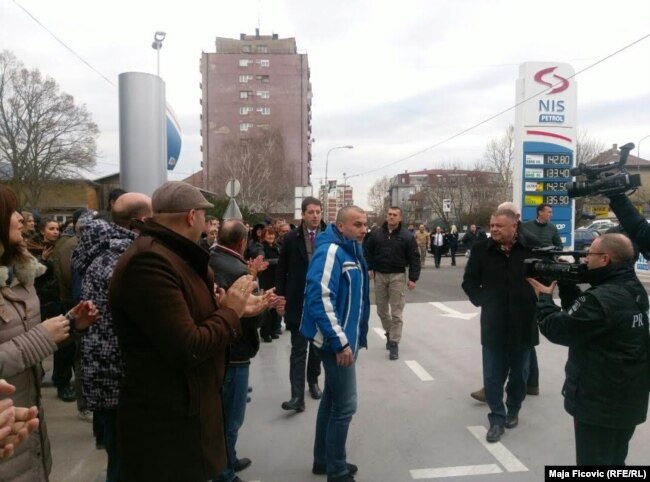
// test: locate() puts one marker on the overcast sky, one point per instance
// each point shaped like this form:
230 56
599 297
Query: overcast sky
391 78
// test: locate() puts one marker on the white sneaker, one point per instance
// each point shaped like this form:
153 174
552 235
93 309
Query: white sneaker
86 416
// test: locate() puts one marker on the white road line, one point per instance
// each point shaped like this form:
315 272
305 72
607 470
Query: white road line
459 471
419 371
380 332
498 451
451 312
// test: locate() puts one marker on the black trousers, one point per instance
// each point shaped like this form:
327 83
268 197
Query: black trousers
437 255
299 361
63 364
601 445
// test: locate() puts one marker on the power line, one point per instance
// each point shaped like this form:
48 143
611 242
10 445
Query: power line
464 131
64 44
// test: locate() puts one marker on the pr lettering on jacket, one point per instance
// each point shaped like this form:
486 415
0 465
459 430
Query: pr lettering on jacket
637 320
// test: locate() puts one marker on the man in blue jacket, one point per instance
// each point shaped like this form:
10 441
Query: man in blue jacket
335 318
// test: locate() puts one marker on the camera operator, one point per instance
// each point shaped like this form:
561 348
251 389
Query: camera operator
633 223
606 330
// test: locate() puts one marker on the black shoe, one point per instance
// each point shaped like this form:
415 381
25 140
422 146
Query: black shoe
530 390
394 351
297 404
266 339
342 478
314 391
319 469
275 336
237 479
512 420
495 433
387 341
66 394
242 464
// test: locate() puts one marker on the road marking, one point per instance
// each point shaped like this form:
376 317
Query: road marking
419 371
450 312
380 332
498 451
455 471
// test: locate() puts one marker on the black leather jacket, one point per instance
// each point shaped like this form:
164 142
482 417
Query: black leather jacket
392 252
606 330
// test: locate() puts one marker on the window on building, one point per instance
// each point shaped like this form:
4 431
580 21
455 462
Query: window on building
263 94
245 78
262 49
245 94
264 110
245 110
244 62
263 62
263 78
264 126
246 49
244 126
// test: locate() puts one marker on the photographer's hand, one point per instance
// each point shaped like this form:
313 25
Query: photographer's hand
541 288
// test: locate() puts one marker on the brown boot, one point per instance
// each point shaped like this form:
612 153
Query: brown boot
478 395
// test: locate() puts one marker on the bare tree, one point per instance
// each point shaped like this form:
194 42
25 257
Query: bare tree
499 157
43 134
378 196
259 164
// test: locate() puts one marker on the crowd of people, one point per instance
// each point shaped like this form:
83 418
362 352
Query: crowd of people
159 309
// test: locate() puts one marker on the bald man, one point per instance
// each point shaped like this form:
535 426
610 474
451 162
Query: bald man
100 245
606 330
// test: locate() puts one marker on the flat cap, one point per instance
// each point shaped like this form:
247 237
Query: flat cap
178 197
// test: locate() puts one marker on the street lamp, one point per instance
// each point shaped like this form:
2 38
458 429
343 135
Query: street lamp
158 38
327 186
327 160
638 146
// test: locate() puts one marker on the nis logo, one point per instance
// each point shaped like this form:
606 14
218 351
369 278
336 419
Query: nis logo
551 111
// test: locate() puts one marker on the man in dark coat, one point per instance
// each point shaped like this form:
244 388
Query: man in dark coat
390 250
291 275
495 280
227 262
173 338
606 330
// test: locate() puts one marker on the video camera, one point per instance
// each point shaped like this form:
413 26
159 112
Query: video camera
604 179
548 267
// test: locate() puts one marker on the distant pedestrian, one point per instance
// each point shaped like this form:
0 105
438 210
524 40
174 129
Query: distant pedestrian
451 239
422 238
389 250
438 243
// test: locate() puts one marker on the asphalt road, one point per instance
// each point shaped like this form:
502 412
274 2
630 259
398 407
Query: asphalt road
415 419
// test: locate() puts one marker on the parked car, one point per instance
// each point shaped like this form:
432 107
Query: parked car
602 225
583 237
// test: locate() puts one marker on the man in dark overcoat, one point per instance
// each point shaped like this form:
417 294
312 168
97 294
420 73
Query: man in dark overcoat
495 280
291 275
173 337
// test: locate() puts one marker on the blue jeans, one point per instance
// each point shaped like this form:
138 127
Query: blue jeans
235 392
335 412
108 421
497 362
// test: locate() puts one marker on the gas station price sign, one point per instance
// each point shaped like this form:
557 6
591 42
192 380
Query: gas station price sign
545 177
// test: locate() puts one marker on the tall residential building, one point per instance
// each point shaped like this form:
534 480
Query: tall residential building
337 197
249 85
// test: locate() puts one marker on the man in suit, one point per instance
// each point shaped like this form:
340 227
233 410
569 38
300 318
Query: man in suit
291 273
437 245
